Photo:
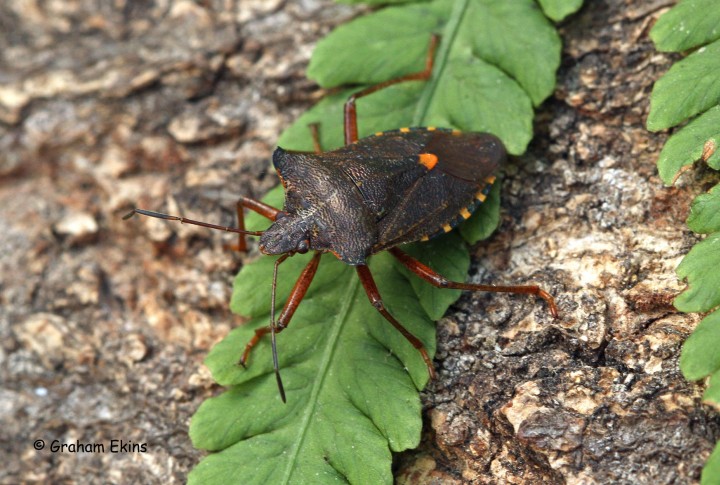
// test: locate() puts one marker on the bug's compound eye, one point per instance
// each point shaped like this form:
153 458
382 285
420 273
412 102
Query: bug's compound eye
303 246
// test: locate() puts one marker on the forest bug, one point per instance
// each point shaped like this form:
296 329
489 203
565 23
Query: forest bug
373 194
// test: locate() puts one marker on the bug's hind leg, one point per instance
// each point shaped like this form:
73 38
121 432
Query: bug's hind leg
261 208
351 129
374 295
440 281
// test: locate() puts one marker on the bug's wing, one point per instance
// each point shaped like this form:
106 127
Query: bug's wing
445 176
436 204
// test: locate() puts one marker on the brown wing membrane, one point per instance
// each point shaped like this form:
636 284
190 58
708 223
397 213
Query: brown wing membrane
467 156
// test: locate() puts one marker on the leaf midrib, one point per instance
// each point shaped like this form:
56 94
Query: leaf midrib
323 368
447 41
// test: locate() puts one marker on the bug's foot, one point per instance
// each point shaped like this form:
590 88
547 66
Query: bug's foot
550 302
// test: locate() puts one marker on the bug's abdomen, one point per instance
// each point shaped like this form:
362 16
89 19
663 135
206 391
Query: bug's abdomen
465 212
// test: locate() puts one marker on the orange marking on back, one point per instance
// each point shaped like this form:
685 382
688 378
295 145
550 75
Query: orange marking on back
404 130
447 227
425 238
464 213
428 160
431 128
379 133
481 197
490 179
456 132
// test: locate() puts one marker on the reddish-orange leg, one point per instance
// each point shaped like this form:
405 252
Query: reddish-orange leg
351 129
254 205
440 281
374 295
296 296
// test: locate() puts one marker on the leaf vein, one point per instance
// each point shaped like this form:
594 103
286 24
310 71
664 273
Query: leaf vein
324 366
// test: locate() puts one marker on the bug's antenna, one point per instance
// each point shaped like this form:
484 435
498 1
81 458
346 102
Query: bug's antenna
183 220
276 364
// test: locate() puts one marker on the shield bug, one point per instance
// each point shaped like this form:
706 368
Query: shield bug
372 195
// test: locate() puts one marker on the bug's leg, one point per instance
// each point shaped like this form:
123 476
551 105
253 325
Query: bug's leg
261 208
440 281
296 296
374 295
315 133
351 129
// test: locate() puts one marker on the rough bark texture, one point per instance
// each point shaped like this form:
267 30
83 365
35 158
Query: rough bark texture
168 105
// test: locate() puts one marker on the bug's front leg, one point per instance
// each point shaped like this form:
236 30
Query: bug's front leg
261 208
374 295
296 296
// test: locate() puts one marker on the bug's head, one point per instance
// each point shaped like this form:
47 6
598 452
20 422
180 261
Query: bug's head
287 235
